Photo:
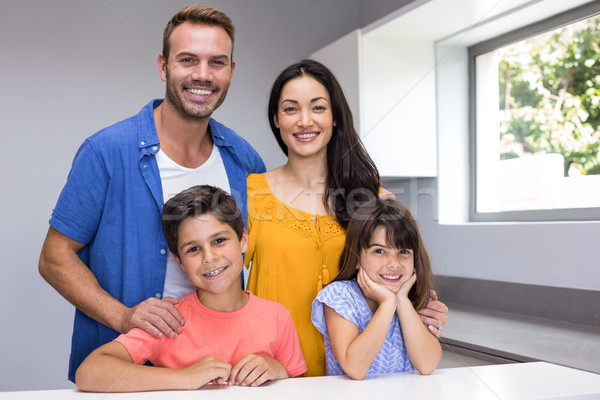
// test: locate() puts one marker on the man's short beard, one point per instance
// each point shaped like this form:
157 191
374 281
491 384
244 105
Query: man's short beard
179 106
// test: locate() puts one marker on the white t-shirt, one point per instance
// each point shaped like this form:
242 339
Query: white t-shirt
176 178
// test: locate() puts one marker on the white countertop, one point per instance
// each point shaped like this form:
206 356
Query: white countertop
537 380
522 338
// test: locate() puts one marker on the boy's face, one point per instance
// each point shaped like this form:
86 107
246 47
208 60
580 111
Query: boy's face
211 253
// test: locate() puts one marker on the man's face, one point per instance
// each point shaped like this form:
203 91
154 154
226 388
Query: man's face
199 69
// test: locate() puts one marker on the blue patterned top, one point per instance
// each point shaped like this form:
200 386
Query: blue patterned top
345 298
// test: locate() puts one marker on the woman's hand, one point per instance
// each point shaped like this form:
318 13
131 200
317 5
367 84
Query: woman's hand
385 194
434 315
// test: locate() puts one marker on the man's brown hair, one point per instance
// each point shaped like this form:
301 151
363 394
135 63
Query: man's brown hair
197 14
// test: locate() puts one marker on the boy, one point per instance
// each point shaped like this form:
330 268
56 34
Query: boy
230 336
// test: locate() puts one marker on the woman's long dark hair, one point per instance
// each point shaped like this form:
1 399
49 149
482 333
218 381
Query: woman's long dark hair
352 177
402 232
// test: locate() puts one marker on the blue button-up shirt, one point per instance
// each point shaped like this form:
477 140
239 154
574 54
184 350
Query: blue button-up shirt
113 201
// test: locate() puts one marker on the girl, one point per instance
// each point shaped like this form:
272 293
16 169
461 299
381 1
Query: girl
368 313
298 212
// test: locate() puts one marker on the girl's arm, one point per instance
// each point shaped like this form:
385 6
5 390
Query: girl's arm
424 350
111 369
356 351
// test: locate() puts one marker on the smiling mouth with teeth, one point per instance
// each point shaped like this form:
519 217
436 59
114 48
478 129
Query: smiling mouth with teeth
200 92
215 272
306 135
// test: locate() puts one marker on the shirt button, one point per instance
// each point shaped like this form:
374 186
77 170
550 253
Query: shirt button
155 148
143 143
157 295
163 251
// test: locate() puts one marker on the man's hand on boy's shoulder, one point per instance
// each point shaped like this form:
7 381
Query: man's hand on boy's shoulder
254 370
156 316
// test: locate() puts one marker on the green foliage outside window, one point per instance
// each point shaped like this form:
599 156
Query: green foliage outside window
550 96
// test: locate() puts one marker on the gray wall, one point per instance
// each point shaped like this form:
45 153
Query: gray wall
69 68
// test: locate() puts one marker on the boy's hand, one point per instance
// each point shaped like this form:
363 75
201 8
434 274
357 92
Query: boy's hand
155 316
254 370
372 290
208 369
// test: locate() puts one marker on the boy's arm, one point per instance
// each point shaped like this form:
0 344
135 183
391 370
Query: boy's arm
254 370
423 348
111 369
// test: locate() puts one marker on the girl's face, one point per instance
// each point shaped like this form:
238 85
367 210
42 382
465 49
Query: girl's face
304 117
388 266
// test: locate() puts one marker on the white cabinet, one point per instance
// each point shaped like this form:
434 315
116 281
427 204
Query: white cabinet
390 84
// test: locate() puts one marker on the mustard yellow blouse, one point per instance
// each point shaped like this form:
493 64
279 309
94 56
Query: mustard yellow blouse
293 254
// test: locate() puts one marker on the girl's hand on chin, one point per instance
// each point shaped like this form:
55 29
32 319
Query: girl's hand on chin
373 290
405 288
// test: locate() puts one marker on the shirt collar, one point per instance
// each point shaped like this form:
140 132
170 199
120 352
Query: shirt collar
148 138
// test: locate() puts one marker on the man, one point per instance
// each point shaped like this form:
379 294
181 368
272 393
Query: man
105 251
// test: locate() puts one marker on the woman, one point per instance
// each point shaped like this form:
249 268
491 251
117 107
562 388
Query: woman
297 213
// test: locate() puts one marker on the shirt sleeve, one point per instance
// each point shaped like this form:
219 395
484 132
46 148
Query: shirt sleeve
337 296
140 345
81 202
259 165
289 353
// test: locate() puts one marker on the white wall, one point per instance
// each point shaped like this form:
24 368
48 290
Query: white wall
69 68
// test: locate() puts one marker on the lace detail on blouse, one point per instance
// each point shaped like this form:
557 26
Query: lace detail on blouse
301 222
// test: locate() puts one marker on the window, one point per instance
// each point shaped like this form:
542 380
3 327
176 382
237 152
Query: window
536 120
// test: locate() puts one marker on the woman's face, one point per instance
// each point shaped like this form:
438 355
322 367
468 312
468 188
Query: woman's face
304 117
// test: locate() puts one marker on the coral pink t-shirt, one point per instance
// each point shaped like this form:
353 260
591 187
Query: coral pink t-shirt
261 327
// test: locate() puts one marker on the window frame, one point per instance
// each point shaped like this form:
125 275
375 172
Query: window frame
571 214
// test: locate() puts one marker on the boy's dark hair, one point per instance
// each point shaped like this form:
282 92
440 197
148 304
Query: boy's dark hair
196 201
402 232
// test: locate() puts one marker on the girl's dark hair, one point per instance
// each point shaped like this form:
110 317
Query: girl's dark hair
196 201
352 176
402 233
